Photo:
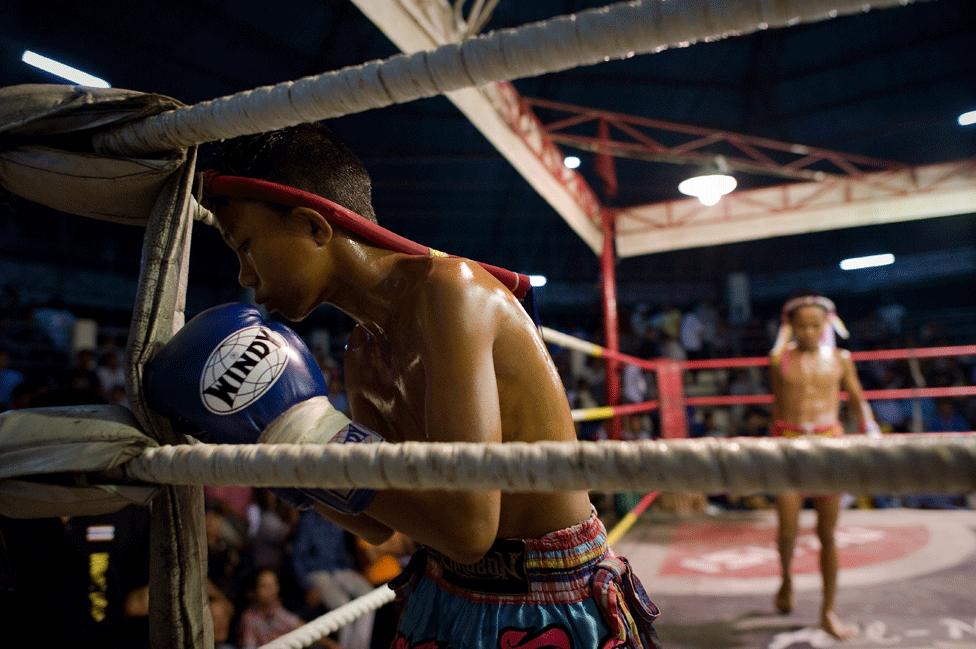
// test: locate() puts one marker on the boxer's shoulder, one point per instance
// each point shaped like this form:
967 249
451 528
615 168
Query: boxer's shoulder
446 276
447 292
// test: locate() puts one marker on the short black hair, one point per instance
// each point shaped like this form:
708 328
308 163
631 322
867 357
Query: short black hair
309 157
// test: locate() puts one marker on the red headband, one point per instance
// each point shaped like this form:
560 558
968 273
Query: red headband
269 192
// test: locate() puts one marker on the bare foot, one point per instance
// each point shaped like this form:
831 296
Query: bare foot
784 597
836 627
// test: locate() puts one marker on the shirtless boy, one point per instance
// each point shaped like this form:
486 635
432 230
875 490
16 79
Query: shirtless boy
807 376
442 352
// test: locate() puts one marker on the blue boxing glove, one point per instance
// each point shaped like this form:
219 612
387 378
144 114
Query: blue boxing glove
241 380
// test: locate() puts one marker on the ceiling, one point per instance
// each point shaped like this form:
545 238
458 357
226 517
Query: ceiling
887 84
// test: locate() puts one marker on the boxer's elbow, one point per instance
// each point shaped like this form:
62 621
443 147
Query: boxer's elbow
473 528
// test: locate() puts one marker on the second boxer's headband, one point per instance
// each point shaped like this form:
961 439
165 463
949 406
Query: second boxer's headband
785 333
824 303
269 192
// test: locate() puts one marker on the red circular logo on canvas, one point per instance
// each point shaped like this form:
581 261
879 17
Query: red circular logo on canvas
749 550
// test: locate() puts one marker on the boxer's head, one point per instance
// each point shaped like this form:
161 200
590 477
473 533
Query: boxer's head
307 157
287 253
808 323
808 314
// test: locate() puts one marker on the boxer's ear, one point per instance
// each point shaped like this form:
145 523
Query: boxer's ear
314 224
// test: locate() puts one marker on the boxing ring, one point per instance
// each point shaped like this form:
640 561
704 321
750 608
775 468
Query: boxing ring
140 170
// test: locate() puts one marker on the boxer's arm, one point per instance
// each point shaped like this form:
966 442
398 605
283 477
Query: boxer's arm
855 393
461 406
774 382
362 525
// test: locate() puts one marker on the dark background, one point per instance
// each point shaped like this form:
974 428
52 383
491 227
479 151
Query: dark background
887 83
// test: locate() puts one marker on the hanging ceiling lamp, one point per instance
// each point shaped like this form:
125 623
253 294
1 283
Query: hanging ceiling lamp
711 183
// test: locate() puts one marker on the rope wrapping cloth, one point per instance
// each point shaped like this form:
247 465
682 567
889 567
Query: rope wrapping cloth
620 30
332 621
934 463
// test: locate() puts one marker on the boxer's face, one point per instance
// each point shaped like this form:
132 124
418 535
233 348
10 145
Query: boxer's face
808 323
277 254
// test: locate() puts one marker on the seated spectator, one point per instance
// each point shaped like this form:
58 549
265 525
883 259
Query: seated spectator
946 419
222 613
110 372
692 335
270 524
892 415
640 320
594 370
634 384
57 323
582 397
755 423
668 321
636 427
224 558
77 387
326 569
705 426
671 348
266 618
118 397
709 318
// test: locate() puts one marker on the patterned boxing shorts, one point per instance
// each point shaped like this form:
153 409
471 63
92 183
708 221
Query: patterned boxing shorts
564 590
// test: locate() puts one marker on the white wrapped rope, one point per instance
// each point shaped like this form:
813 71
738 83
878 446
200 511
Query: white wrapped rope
571 342
332 621
618 30
202 214
934 463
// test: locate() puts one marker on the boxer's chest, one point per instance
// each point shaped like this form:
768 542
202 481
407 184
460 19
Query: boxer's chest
812 371
390 382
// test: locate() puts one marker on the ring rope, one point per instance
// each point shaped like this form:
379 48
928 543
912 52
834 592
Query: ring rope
930 462
625 523
592 349
202 214
619 30
606 412
332 621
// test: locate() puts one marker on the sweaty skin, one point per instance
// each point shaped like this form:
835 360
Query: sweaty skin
442 353
806 381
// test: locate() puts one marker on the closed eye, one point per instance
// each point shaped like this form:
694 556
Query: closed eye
245 245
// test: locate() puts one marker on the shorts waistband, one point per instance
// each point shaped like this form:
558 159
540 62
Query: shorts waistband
558 566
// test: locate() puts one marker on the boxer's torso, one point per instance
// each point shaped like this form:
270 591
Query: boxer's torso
391 392
809 392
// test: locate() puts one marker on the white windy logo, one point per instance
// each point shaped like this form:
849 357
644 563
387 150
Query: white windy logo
242 368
